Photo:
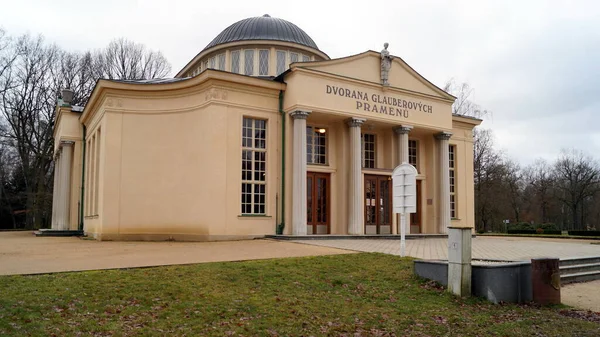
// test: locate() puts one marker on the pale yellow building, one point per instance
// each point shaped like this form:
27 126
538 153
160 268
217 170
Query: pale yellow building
261 133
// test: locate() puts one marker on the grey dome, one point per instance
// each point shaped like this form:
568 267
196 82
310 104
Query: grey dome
263 28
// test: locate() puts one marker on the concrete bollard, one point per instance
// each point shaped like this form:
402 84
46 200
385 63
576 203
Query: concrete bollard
459 260
545 280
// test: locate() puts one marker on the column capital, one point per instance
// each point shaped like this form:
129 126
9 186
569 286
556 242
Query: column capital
443 135
355 122
403 129
66 142
299 114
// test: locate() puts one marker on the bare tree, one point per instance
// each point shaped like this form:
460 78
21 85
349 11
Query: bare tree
578 179
464 106
124 59
28 111
513 180
540 178
487 165
32 73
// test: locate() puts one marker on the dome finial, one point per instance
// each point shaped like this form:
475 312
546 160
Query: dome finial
266 16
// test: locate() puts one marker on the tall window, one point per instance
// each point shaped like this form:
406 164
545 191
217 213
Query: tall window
213 63
249 62
305 58
293 57
412 153
368 150
221 61
263 62
452 164
93 173
254 166
205 64
281 55
316 145
235 61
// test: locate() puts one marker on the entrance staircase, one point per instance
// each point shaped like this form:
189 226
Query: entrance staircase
579 269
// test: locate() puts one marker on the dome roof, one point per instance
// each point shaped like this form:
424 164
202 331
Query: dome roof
263 28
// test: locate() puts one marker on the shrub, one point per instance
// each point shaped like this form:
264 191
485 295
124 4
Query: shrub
585 233
533 231
549 226
521 231
521 226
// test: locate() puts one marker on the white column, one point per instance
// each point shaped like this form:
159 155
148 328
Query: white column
55 191
402 132
356 209
444 179
299 173
65 185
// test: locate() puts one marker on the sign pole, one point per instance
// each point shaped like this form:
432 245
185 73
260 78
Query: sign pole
402 234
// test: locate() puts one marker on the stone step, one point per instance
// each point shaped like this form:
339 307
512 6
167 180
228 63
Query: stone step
580 277
579 268
358 237
579 260
56 232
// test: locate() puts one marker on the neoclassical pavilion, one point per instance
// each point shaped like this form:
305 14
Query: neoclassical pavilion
261 133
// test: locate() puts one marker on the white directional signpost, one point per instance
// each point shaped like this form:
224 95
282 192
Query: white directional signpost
404 192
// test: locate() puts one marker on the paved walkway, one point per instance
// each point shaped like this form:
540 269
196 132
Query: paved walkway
22 253
500 248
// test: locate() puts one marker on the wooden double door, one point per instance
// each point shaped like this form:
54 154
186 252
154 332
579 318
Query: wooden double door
378 204
318 203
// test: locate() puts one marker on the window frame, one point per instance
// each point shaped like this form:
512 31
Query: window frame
253 182
363 150
235 61
292 54
221 61
261 53
280 67
452 181
416 154
249 64
311 146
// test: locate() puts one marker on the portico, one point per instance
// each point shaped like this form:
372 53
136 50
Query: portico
360 130
359 156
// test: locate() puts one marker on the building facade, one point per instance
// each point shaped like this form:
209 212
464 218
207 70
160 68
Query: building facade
262 133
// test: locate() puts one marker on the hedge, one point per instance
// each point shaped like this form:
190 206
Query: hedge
585 233
530 226
533 231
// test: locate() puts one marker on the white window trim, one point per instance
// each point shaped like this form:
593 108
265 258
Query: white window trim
452 168
252 181
312 161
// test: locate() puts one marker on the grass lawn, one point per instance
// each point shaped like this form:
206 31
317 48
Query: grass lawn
343 295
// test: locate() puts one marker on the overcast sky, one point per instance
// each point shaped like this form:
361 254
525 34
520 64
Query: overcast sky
534 64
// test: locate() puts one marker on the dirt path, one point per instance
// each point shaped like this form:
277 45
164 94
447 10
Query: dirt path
584 295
